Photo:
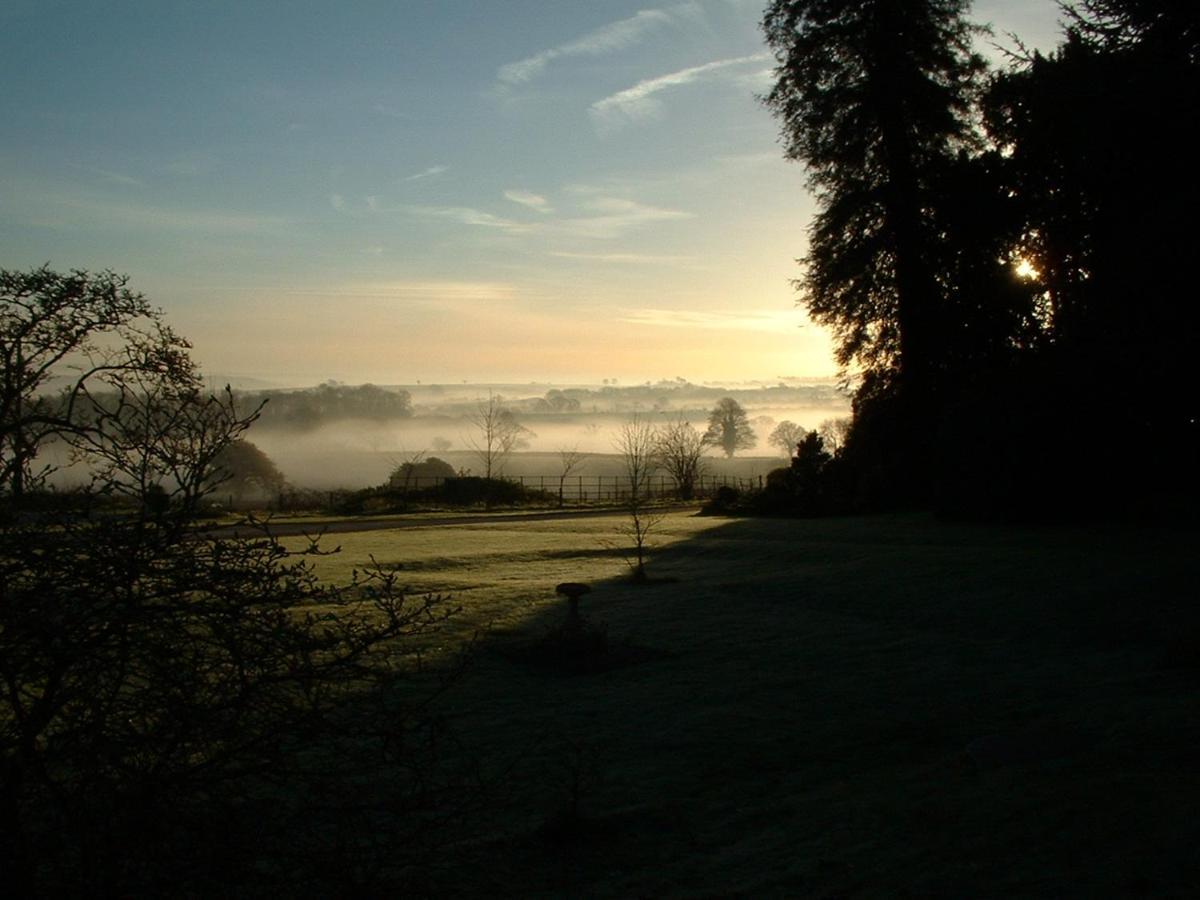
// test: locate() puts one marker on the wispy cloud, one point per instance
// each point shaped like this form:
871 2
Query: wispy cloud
602 218
606 39
81 210
745 160
426 173
338 202
623 258
533 201
639 101
759 81
433 291
615 216
772 321
466 215
113 177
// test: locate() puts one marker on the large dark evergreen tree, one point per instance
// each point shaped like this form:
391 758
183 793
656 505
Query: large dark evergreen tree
875 98
1098 160
1172 27
979 385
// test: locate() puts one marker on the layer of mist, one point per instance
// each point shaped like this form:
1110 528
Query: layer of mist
333 446
357 452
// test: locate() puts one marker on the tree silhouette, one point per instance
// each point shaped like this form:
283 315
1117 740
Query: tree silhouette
983 251
412 471
569 459
636 442
242 468
327 403
874 97
786 436
679 448
52 325
1098 165
497 434
170 699
729 427
833 433
1167 25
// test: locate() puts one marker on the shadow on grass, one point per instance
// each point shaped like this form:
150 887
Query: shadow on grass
864 707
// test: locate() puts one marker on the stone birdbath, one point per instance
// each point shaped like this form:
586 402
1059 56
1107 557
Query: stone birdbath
573 590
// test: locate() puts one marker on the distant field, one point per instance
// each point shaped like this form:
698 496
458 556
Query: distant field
887 706
503 574
330 466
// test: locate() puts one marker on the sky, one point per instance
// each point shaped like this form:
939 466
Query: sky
433 190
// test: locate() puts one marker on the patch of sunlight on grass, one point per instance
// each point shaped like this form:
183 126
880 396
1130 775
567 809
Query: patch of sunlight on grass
500 572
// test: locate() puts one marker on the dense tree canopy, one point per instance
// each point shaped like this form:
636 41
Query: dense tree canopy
420 472
999 256
729 427
874 97
327 404
242 469
1098 163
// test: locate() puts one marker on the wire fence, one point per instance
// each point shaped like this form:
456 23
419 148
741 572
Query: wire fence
569 490
589 488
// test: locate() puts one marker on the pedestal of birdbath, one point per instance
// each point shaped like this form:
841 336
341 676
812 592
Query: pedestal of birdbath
572 590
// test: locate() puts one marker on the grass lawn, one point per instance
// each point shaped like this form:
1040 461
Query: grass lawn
886 706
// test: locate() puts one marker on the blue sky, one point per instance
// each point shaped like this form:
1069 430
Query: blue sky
393 191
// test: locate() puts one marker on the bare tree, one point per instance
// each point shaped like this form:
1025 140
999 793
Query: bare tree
834 433
497 434
569 459
165 697
52 328
786 436
679 448
148 430
636 441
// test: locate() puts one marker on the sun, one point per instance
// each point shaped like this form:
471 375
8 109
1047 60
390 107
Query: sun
1025 269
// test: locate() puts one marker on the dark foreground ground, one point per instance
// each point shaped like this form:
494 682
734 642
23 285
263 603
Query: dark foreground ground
886 706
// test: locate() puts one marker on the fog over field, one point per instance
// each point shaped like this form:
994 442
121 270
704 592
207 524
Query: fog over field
358 451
